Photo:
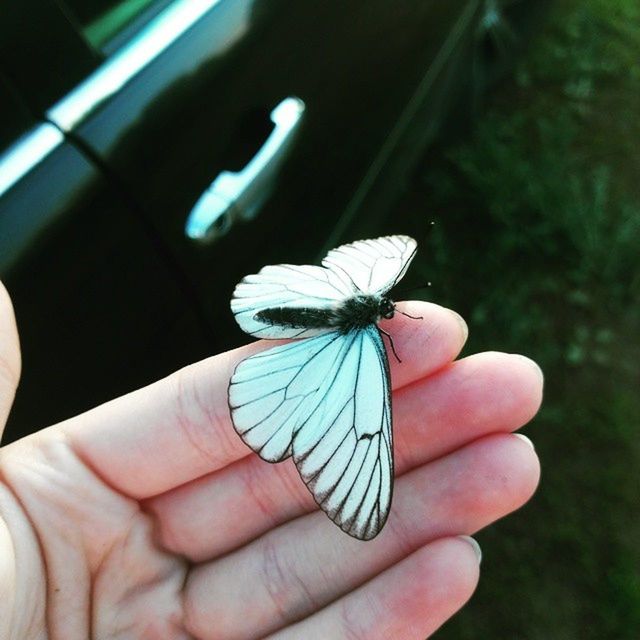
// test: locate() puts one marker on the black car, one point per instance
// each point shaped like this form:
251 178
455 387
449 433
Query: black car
155 152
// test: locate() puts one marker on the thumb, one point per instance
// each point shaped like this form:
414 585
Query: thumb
9 356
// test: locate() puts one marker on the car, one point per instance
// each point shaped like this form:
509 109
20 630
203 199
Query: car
156 152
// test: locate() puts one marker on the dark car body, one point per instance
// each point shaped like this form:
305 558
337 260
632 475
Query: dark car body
114 157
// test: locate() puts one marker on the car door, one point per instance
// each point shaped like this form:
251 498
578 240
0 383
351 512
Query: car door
100 305
265 116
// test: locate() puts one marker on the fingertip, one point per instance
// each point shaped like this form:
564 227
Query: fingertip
10 358
531 380
500 474
514 468
529 464
427 342
464 327
435 317
459 560
525 439
518 379
473 543
433 583
9 340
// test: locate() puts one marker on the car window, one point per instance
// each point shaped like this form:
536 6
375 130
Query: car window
108 24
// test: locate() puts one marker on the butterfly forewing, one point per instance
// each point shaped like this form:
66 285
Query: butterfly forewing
372 266
285 286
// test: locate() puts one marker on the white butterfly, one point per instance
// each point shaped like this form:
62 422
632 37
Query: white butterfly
326 399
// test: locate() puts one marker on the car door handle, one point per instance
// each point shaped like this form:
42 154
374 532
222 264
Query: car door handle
235 196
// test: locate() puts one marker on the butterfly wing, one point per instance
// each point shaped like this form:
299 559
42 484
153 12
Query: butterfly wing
271 392
366 266
285 285
327 399
343 447
372 266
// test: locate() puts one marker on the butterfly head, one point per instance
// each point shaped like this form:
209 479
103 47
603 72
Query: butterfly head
386 308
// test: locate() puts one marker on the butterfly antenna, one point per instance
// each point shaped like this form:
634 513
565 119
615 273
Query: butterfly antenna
393 348
421 286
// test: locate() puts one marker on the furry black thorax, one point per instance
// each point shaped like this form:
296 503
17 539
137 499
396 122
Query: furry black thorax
353 313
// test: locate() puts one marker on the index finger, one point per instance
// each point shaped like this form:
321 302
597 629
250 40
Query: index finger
179 428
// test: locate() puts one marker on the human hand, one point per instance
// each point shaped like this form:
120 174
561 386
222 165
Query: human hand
147 517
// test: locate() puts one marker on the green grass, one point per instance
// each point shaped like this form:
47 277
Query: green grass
537 243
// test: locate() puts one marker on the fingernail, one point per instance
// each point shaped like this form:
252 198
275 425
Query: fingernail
463 325
474 545
524 439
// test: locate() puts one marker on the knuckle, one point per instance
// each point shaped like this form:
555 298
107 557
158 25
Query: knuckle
200 420
274 579
403 540
351 620
258 490
290 597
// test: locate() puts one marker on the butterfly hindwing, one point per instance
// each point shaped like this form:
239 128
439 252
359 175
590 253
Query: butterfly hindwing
328 399
343 449
270 392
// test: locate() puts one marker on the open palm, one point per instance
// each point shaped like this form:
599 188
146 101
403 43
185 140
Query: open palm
147 517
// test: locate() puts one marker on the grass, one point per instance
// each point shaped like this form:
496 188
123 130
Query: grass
537 243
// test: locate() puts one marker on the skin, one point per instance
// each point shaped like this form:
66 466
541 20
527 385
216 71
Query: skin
147 517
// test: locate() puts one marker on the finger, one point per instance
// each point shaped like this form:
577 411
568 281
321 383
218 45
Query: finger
303 565
9 356
409 601
179 428
481 394
485 393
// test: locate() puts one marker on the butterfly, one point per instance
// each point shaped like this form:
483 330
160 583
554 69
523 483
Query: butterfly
325 397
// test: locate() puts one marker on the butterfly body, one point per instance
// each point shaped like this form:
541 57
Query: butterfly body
324 398
356 312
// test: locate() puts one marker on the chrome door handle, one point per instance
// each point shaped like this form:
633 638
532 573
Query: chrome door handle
234 196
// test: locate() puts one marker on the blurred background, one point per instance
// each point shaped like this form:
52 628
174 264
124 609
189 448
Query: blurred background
153 152
536 244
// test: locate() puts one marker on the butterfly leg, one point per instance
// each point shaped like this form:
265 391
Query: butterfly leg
395 353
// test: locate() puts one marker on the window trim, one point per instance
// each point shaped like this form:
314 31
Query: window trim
126 63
